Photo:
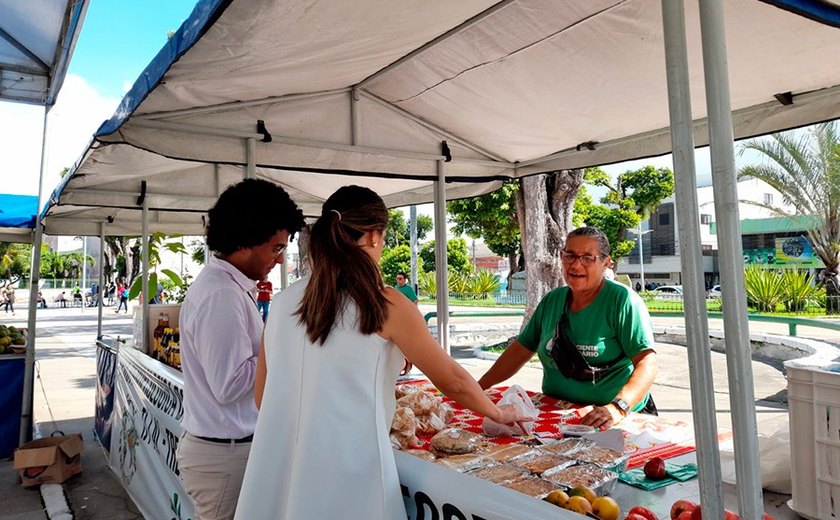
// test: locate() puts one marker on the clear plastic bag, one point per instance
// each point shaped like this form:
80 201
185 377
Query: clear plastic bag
519 398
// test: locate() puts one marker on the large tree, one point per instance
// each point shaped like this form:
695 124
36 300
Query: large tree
805 169
544 204
629 199
491 217
399 231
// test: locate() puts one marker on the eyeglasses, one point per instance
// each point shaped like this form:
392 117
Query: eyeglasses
585 260
279 250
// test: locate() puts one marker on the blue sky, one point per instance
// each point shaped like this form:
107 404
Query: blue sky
119 38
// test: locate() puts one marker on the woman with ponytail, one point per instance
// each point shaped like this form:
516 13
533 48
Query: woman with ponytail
333 347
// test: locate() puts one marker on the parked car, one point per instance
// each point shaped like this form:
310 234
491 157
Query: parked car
668 292
715 291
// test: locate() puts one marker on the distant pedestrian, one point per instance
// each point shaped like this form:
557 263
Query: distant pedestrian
638 287
9 298
404 287
122 292
264 289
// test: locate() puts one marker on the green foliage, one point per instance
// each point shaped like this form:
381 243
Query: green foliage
397 259
399 229
459 282
14 261
491 217
480 284
805 169
484 282
427 283
456 250
63 265
765 288
799 290
628 200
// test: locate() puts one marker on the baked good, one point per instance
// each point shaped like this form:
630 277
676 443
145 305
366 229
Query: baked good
422 454
499 473
531 486
462 463
588 475
540 463
567 446
454 441
508 452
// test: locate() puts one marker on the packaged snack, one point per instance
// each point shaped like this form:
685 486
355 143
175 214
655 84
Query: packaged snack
420 402
403 390
598 479
499 473
421 454
404 442
539 463
603 457
455 441
567 446
531 486
508 452
462 463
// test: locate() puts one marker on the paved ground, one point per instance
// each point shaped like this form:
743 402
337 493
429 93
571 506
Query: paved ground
64 387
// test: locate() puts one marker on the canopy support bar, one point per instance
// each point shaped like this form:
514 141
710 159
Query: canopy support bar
444 133
443 37
441 265
224 107
34 280
251 157
735 324
100 293
542 164
696 317
355 124
45 69
144 245
307 143
155 197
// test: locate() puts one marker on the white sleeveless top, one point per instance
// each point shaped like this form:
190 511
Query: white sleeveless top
321 448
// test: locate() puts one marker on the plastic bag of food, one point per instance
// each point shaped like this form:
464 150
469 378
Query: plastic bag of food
404 442
519 398
421 403
455 441
404 422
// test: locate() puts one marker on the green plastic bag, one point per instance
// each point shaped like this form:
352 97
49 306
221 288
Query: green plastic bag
675 473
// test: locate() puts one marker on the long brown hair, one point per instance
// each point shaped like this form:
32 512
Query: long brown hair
341 269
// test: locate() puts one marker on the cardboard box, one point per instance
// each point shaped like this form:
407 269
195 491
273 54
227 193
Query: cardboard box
50 460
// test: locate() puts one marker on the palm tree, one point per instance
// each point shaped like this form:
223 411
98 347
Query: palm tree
805 169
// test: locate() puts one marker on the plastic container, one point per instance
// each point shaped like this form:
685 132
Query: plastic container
814 410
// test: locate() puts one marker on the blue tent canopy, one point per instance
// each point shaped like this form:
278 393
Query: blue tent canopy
18 211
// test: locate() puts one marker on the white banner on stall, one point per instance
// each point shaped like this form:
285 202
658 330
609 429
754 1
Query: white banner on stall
146 429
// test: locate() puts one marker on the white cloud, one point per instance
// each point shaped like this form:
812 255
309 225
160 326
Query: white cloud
79 111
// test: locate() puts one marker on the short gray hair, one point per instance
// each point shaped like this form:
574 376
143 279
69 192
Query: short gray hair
593 232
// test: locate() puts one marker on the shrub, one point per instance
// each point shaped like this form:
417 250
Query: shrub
765 288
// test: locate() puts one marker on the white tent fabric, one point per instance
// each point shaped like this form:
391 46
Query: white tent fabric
37 38
365 92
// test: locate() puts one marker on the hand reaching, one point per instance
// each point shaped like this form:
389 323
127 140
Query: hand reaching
510 415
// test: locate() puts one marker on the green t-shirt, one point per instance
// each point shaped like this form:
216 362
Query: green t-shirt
614 327
407 291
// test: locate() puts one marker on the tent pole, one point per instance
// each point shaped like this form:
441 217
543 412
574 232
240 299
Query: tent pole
144 247
735 324
354 116
441 266
251 157
696 317
413 244
26 418
100 281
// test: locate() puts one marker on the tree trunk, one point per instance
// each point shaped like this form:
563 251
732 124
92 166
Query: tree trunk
545 203
830 279
303 252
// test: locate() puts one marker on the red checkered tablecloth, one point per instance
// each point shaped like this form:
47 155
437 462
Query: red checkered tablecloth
645 436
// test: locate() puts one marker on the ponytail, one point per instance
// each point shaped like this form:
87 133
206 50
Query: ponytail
341 269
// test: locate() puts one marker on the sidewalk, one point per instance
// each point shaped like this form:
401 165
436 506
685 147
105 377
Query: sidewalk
65 382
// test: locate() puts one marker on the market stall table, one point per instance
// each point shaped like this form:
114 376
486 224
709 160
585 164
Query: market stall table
139 407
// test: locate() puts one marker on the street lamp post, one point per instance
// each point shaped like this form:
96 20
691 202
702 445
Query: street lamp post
639 234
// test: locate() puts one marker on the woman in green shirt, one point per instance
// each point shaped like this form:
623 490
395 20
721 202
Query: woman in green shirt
593 338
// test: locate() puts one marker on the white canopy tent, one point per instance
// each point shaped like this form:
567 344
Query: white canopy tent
37 39
317 94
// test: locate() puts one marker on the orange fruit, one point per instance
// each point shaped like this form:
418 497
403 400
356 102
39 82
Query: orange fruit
583 491
578 504
606 508
558 497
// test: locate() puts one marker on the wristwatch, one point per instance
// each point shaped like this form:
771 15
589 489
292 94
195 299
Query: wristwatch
621 404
